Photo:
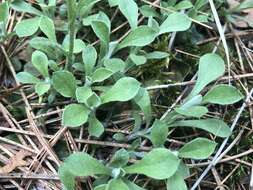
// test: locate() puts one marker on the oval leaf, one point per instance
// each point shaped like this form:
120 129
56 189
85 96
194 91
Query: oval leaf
89 56
101 74
27 78
27 27
47 27
193 111
130 10
40 62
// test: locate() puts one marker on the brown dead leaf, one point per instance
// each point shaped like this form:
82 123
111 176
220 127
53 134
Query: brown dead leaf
15 161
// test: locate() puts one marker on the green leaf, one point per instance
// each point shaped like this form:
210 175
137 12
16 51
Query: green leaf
79 45
199 148
185 4
119 159
214 65
42 88
40 62
175 22
123 90
157 55
138 59
193 101
4 11
95 128
159 133
93 101
100 187
160 163
22 6
214 126
130 10
101 16
80 164
142 99
101 30
113 3
132 186
64 82
148 11
176 182
141 36
115 65
83 93
74 115
89 56
223 94
194 111
116 184
47 27
27 27
27 78
101 74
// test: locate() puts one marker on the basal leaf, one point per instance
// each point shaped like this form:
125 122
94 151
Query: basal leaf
159 133
101 74
27 78
95 128
101 30
138 59
40 62
176 182
74 115
83 93
119 159
115 64
41 88
4 10
27 27
23 6
116 184
193 111
89 56
157 55
47 27
160 163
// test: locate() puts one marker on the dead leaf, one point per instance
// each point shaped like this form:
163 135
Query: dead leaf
15 161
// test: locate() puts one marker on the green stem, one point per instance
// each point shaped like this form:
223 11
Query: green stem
71 5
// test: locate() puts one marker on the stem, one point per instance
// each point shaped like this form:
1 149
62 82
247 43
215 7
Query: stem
71 5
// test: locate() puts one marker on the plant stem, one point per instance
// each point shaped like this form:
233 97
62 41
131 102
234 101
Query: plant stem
71 5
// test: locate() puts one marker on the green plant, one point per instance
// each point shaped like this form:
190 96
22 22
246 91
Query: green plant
93 79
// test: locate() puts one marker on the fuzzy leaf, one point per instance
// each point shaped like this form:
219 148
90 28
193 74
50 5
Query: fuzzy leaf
83 93
89 56
101 74
138 59
193 111
119 159
130 10
27 27
42 88
176 182
95 128
116 184
4 10
40 62
47 27
115 64
27 78
159 133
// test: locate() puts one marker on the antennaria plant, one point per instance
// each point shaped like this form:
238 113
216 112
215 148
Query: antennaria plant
98 77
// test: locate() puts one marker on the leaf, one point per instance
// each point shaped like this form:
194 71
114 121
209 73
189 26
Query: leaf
115 65
199 148
40 62
74 115
194 111
95 128
214 126
113 3
159 133
138 59
27 27
119 159
41 88
47 27
116 184
175 22
80 164
130 10
27 78
101 30
141 36
79 45
101 16
209 62
64 82
176 182
4 10
223 94
22 6
159 163
89 56
185 4
100 187
93 101
148 11
101 74
132 186
157 55
83 93
142 99
193 101
123 90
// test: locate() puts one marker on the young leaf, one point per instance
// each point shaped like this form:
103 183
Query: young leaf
22 6
83 93
27 27
157 55
214 126
115 65
89 56
159 133
95 128
79 45
64 82
199 148
194 111
141 36
130 10
80 164
42 88
185 4
223 94
74 115
101 74
142 99
175 22
27 78
116 184
47 27
209 62
4 10
160 163
138 59
40 62
101 30
148 11
119 159
176 182
93 101
123 90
